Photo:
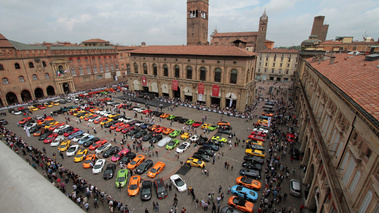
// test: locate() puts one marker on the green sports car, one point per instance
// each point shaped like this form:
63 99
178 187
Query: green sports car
175 133
212 128
219 139
172 144
190 122
122 177
171 117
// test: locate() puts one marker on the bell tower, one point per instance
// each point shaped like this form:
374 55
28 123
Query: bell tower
261 40
197 22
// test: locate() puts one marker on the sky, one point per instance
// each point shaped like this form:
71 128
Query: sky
163 22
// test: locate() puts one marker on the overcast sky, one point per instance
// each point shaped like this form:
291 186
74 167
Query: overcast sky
163 22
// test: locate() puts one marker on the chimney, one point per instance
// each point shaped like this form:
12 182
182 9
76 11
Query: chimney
332 58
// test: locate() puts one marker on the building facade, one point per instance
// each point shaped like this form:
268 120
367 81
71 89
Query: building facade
197 22
337 105
276 64
210 75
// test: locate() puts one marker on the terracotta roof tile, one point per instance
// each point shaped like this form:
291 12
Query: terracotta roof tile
95 40
293 51
359 79
195 50
4 43
235 34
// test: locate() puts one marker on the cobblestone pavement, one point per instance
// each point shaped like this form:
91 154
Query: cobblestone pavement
201 184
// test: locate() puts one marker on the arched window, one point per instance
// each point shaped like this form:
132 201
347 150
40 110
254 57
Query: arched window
233 76
81 72
155 69
94 69
177 71
165 70
144 68
88 70
1 67
5 81
47 76
34 77
112 67
203 74
101 68
135 68
73 71
218 75
106 68
43 63
21 79
189 72
31 65
17 66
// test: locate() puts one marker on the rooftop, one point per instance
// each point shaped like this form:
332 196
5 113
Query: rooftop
22 46
95 40
235 34
276 50
195 50
358 78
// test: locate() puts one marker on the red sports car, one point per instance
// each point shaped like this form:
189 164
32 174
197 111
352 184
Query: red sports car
146 111
50 138
160 129
114 126
121 127
127 129
256 137
25 120
41 107
68 133
97 144
56 126
259 133
100 120
196 124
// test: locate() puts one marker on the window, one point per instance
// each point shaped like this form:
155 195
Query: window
189 72
281 65
47 76
43 63
259 70
135 68
21 79
289 59
287 71
1 67
165 70
81 71
273 64
73 71
94 69
177 71
31 65
117 66
5 81
233 76
106 68
266 64
265 70
349 170
101 68
203 74
144 68
365 202
112 67
272 71
354 183
17 66
155 69
217 75
34 77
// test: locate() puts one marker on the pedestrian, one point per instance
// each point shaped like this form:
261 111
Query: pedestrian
175 201
157 206
146 211
44 150
219 188
61 154
301 207
197 202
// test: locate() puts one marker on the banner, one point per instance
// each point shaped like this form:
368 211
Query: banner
175 85
200 88
144 81
215 90
200 97
230 102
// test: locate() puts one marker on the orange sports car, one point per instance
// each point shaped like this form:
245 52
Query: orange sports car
134 184
168 131
153 127
121 127
157 168
160 129
114 126
165 115
87 162
136 162
241 204
248 182
100 120
25 120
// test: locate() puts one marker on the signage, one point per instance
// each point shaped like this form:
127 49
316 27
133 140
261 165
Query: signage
215 90
144 81
175 85
200 88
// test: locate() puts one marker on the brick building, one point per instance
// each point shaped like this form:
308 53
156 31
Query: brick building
338 110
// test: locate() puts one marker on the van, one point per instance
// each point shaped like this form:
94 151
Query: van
295 188
164 141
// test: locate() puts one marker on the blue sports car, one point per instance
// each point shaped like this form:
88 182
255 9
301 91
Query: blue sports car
75 134
244 193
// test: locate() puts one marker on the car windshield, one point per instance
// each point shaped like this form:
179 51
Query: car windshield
121 179
87 161
133 187
62 146
161 189
71 149
153 170
182 146
97 166
133 163
108 171
145 191
199 162
171 143
79 155
179 182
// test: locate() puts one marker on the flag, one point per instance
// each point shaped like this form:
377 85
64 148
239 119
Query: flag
66 71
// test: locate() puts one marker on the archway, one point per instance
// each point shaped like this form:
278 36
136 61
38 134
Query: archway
38 92
231 100
11 98
50 90
177 93
66 88
26 96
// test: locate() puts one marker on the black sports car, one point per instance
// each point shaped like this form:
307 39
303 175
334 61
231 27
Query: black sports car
109 124
64 130
224 131
146 190
211 146
256 174
113 150
143 167
44 136
160 189
177 118
140 134
251 165
3 121
201 140
255 159
148 136
183 120
201 156
90 141
35 128
133 132
128 157
156 138
109 171
206 151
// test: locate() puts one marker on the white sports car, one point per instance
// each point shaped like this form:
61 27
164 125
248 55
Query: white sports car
59 128
77 138
57 141
182 147
72 150
260 130
103 148
194 138
98 167
179 183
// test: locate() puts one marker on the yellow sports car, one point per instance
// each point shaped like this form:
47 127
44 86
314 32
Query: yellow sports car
76 113
205 126
112 116
253 142
106 121
185 136
255 152
64 145
51 124
196 162
86 115
55 103
80 155
32 108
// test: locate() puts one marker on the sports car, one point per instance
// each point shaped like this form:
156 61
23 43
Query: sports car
194 138
52 128
195 162
257 138
99 120
113 116
85 115
51 124
183 147
72 150
140 134
199 155
197 124
177 118
121 153
172 144
211 146
212 128
248 182
190 122
136 162
75 134
127 129
165 115
32 108
251 173
121 127
179 183
153 127
98 167
240 204
253 142
57 141
160 189
148 136
93 118
155 139
261 130
185 136
78 112
144 167
148 111
109 171
86 139
205 126
134 185
175 133
88 160
146 190
22 121
245 193
122 177
64 146
268 114
44 135
80 155
252 165
106 121
168 131
255 159
171 117
50 138
290 137
97 144
79 137
69 132
114 126
160 129
255 152
157 168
